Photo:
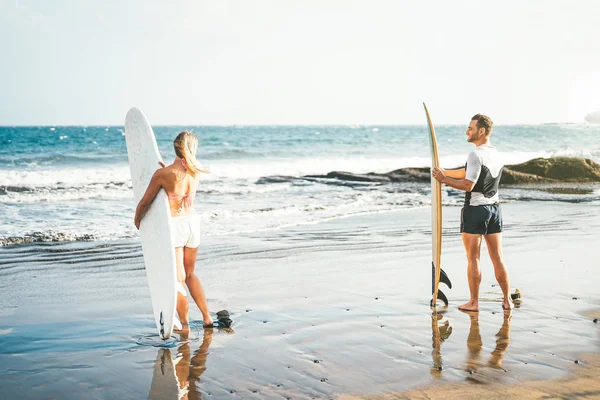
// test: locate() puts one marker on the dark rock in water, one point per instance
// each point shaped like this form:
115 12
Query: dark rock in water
399 175
410 175
539 170
349 176
561 169
275 179
595 320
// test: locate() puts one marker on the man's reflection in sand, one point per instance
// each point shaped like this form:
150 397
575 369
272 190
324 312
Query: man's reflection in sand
502 342
475 344
179 378
439 333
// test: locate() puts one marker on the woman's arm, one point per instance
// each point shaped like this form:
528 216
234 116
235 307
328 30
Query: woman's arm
151 192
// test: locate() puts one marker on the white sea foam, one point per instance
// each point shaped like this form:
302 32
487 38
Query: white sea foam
252 169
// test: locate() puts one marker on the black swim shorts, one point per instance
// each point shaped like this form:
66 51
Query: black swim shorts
481 220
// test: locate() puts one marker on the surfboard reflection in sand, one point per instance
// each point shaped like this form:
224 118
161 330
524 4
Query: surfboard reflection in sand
179 378
439 333
475 344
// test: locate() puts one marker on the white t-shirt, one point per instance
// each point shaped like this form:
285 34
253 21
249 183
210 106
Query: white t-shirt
483 164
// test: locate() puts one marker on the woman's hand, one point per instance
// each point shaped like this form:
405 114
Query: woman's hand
162 164
148 197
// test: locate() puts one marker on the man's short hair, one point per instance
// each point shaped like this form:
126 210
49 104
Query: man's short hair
485 122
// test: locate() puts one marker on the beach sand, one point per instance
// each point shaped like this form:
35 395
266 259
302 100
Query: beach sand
337 309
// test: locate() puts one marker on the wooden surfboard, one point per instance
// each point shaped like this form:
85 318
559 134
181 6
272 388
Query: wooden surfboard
437 274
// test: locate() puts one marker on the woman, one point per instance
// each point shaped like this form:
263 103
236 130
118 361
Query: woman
180 181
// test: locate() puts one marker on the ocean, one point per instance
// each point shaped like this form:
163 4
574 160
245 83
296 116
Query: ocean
72 183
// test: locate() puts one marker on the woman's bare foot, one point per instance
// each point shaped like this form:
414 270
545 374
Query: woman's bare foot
208 322
470 306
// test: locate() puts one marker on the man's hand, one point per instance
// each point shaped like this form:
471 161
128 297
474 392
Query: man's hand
438 174
137 222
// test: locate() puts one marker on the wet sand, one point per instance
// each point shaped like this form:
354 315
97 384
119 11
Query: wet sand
581 383
336 309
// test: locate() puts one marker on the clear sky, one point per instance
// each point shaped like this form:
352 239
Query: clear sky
298 62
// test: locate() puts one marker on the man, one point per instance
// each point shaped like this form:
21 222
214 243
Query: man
481 215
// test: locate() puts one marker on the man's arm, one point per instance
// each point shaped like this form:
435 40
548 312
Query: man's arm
455 173
460 184
464 178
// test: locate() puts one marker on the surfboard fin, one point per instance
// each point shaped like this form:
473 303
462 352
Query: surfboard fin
444 279
441 296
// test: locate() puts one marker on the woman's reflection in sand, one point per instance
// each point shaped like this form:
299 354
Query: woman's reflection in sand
439 333
179 378
475 344
188 368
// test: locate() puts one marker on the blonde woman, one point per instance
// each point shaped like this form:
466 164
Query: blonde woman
180 180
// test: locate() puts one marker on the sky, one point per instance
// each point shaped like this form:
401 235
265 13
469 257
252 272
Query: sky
279 62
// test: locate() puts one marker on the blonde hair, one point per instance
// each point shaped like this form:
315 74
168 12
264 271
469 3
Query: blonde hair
186 145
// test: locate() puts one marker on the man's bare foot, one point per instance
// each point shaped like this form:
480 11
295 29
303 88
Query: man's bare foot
470 306
208 323
507 305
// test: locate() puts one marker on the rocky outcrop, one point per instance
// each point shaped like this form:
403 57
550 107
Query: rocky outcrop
539 170
399 175
554 169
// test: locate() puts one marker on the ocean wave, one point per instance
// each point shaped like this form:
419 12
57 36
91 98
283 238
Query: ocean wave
29 194
69 176
28 160
47 236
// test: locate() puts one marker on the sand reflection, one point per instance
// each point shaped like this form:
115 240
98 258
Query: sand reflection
440 331
475 344
179 378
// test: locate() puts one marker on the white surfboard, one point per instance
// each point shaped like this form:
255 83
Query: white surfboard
164 384
155 228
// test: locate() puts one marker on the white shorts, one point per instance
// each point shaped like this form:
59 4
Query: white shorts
186 231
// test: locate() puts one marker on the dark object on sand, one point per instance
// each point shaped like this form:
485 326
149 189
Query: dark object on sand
223 319
516 295
595 320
